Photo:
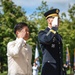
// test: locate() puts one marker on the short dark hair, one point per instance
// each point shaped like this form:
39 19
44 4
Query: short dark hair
19 26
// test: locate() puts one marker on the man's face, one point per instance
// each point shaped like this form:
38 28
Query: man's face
24 33
53 21
49 20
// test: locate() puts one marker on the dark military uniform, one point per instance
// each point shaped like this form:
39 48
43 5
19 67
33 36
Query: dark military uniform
51 46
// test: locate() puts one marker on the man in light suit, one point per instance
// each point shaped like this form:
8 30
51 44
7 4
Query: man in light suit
19 53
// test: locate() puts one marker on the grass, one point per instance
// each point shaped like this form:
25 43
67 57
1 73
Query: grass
4 73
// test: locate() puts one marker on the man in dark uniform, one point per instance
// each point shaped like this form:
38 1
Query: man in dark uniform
51 45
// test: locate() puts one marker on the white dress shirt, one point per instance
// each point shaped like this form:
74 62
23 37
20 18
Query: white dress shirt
19 57
35 70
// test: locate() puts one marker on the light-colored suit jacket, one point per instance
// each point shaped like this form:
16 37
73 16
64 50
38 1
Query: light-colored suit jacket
19 57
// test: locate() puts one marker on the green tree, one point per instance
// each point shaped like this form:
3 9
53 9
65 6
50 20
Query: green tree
38 16
67 30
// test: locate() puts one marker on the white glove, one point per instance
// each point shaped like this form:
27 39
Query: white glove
55 22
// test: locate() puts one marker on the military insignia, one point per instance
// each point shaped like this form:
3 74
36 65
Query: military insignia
54 39
53 45
57 11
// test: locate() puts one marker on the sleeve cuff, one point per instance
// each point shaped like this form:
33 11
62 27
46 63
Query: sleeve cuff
53 31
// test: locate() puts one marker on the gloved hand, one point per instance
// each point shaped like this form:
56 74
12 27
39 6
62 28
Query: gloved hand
55 22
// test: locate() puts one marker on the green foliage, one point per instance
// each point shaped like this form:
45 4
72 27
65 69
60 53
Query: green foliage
3 73
67 30
38 16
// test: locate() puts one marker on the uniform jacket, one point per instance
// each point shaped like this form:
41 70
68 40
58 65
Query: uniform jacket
51 46
19 58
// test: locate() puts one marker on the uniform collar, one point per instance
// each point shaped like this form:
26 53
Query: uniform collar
49 27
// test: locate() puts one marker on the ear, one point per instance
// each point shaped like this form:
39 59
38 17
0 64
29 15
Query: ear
17 32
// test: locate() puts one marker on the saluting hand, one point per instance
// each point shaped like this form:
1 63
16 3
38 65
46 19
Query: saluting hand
21 34
55 22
